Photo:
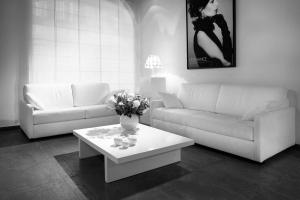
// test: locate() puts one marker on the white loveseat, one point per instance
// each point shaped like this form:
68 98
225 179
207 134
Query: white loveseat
57 109
219 116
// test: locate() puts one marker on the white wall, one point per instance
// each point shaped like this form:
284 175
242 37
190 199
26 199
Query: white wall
12 55
8 63
268 47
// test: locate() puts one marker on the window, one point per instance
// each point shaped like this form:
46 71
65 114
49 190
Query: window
83 40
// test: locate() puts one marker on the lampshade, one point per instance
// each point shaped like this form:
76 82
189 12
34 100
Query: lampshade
153 61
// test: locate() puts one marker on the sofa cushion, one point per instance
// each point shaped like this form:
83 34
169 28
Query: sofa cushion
170 100
98 111
267 107
174 115
86 94
239 99
208 121
222 124
199 96
57 115
50 96
35 102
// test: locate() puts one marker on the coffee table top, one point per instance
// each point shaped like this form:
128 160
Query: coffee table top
150 141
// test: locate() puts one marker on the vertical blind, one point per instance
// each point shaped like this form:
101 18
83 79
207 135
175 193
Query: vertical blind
83 40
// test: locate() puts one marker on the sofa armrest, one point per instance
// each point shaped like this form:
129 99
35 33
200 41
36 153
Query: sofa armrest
153 105
26 118
273 132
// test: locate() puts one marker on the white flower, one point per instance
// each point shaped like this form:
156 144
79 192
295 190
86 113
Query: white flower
121 103
136 103
112 99
130 99
144 111
131 94
122 95
111 103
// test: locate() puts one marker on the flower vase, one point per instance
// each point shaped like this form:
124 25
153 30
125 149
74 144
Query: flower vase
129 123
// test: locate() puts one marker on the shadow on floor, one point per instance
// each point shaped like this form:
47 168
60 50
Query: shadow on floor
88 175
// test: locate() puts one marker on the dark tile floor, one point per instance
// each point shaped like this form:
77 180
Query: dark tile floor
49 168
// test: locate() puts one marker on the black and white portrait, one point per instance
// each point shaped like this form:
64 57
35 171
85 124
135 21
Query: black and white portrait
210 33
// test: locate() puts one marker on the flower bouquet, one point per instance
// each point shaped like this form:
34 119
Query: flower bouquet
129 107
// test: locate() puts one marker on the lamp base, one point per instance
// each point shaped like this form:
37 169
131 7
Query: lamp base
158 84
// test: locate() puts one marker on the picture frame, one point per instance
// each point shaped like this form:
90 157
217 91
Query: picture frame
211 35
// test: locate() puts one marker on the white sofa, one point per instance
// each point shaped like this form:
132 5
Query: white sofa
215 115
57 109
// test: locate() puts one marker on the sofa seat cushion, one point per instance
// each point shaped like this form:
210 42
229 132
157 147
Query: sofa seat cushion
98 111
222 124
217 123
57 115
173 115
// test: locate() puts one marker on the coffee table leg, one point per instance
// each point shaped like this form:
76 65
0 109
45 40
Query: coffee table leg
85 150
115 171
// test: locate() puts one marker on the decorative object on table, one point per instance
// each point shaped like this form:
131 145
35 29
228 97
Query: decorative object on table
132 141
123 142
129 123
129 107
210 34
118 141
157 82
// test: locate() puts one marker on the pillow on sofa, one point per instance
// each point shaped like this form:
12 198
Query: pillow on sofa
267 107
170 100
32 100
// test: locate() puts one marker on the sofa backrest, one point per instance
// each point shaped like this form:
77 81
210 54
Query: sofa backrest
85 94
239 99
50 96
199 96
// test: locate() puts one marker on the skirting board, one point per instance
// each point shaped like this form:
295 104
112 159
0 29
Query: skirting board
8 123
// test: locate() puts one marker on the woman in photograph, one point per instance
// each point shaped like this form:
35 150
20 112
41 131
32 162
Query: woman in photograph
212 42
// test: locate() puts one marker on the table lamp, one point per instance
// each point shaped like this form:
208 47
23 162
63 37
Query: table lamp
158 83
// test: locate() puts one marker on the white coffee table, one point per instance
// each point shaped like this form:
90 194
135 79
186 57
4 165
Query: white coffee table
154 148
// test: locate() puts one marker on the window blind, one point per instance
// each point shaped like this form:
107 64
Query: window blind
83 40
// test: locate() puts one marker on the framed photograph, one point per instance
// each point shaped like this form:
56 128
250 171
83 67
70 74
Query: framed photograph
210 34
